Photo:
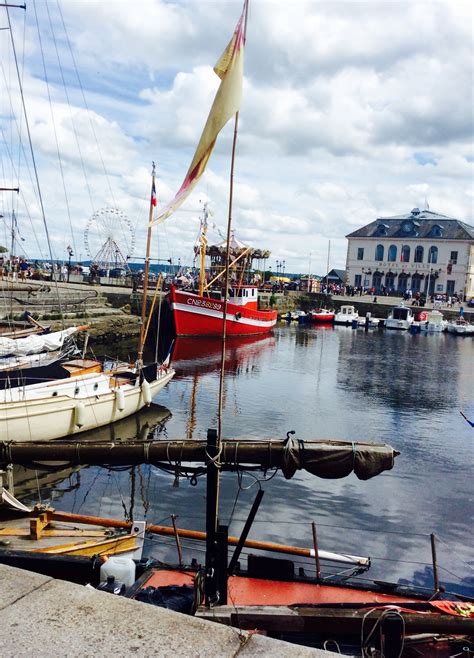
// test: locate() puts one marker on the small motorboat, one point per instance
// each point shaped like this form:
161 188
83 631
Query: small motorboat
346 315
321 316
432 321
400 317
460 327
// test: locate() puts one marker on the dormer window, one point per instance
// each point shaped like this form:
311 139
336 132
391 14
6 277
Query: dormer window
415 212
381 229
436 231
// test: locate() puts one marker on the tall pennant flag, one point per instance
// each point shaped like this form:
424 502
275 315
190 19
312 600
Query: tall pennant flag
230 69
153 195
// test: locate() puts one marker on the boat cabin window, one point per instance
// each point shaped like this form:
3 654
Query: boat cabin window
400 313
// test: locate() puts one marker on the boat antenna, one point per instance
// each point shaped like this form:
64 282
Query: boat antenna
141 340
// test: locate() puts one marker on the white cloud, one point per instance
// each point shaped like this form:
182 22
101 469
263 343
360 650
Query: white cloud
351 110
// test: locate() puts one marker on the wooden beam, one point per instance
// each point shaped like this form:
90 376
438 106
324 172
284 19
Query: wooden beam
328 620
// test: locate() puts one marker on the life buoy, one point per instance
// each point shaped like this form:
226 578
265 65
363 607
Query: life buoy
423 316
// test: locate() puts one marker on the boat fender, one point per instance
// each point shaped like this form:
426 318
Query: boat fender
146 392
238 315
80 414
120 399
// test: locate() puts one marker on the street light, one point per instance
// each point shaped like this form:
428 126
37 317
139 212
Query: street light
70 254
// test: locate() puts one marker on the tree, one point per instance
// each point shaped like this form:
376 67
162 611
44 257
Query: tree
3 250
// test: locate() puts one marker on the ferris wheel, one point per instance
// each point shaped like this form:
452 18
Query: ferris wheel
109 238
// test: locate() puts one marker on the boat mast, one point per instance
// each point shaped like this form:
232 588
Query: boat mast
141 340
202 249
215 579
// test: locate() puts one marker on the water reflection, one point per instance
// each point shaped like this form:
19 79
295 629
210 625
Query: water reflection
203 355
379 386
41 480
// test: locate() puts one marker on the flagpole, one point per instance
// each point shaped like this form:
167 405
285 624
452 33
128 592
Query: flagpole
227 258
141 340
214 569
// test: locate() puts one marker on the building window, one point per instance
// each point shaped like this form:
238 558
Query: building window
450 286
358 280
436 231
454 257
405 254
392 253
360 253
379 252
433 255
419 252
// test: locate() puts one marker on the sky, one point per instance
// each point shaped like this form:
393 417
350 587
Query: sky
350 111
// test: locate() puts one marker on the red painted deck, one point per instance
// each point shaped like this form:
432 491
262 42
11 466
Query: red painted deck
255 591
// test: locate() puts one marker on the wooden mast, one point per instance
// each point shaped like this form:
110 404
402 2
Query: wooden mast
213 580
141 340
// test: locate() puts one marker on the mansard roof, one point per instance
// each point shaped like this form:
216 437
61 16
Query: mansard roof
416 224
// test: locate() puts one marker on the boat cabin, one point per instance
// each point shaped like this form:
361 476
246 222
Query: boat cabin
347 311
244 296
401 313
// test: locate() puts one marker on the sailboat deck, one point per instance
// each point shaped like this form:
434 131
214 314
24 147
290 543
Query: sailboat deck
25 533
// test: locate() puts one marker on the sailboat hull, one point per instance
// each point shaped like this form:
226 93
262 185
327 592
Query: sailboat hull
195 315
67 407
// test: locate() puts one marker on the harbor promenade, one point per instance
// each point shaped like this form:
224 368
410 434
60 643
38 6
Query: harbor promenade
41 616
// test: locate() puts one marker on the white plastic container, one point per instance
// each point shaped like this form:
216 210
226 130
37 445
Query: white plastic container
123 568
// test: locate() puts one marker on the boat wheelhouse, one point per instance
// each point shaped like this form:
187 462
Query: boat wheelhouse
401 317
346 315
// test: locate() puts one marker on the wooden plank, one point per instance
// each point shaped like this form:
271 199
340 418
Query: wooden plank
25 532
37 524
329 620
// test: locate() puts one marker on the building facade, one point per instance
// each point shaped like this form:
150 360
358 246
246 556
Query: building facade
421 251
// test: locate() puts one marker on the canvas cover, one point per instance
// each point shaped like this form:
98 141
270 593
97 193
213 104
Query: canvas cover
333 459
35 344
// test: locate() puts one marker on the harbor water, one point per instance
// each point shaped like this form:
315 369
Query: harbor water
322 383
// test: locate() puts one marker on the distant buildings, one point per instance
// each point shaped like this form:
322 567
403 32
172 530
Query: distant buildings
421 251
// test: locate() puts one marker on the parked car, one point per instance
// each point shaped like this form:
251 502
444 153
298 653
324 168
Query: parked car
117 272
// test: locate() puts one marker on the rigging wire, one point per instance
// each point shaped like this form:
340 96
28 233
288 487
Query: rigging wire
40 196
76 70
53 120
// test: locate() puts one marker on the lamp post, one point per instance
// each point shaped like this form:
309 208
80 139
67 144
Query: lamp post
70 254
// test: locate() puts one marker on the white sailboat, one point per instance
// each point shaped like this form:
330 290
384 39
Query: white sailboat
44 396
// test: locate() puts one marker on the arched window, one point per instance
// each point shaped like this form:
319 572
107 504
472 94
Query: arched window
419 252
405 254
392 253
433 255
379 252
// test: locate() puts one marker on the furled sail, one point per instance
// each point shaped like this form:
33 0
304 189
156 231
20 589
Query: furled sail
324 459
35 344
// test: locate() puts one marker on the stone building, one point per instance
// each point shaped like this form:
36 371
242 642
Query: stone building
422 251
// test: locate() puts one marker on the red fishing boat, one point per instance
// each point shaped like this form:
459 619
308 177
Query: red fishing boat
322 316
201 312
198 315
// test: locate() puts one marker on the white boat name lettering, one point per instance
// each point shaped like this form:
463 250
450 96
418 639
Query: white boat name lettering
204 304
